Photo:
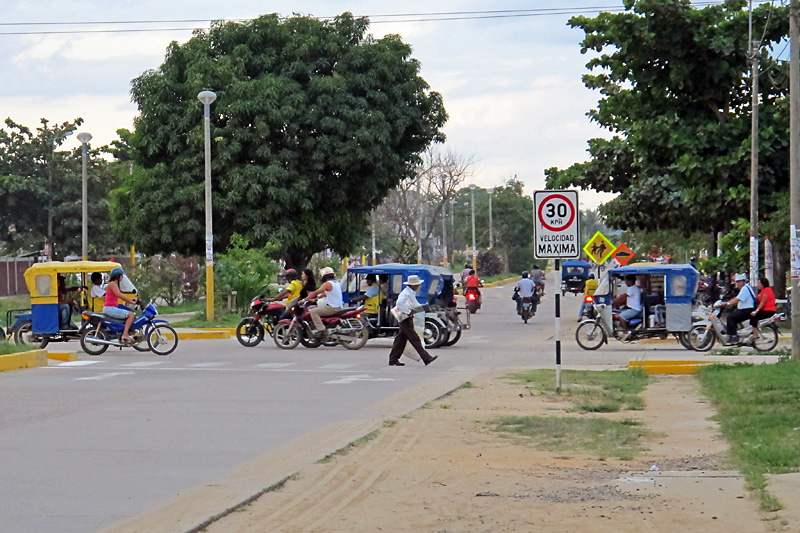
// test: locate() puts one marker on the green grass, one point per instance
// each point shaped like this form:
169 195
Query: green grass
183 307
604 438
759 413
199 321
7 347
12 302
344 450
589 391
498 277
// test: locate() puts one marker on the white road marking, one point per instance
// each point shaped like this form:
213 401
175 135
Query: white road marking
79 363
337 366
105 376
346 380
273 365
207 365
142 364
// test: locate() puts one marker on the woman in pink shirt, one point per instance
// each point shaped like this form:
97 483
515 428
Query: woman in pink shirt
113 295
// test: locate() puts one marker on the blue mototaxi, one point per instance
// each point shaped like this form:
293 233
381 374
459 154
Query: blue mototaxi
573 276
442 324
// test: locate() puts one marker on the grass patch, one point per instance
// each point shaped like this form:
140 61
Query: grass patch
469 385
389 423
199 321
758 410
12 302
499 277
344 450
8 347
445 406
601 437
606 391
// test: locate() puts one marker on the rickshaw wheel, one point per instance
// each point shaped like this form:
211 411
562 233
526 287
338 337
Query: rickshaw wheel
590 336
25 336
433 334
453 338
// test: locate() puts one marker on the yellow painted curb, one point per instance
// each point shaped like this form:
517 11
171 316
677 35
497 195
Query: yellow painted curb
658 341
16 361
232 331
63 356
196 335
669 367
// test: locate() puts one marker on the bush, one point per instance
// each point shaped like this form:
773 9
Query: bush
490 264
170 278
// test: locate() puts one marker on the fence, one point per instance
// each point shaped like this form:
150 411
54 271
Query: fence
12 270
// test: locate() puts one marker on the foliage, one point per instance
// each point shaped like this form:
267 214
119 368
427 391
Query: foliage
676 96
243 269
735 250
315 122
169 278
490 264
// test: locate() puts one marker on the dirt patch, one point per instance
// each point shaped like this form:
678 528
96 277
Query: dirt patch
440 469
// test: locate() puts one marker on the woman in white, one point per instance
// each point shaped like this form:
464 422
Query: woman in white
407 305
333 302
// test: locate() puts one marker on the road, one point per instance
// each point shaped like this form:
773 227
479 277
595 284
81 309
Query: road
93 443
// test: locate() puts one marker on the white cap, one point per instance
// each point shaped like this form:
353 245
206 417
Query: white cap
740 277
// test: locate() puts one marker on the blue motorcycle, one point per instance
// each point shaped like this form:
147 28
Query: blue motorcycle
101 331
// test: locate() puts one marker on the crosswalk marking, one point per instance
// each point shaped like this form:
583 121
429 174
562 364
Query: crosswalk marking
337 366
143 364
79 363
207 365
273 365
347 380
105 376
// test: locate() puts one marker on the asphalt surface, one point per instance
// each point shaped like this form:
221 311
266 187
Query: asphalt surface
92 443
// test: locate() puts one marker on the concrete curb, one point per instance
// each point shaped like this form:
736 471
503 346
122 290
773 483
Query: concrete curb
63 356
204 334
18 361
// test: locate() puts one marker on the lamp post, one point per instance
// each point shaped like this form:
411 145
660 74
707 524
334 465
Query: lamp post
491 232
207 97
84 138
474 249
49 244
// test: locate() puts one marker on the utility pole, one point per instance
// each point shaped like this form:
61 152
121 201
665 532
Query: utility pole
794 168
753 154
491 232
474 248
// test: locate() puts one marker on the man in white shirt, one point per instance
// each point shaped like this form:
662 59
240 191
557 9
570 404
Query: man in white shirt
407 305
745 303
524 288
632 301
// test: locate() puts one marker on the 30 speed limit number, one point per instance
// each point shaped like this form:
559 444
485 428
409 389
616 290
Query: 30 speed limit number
557 232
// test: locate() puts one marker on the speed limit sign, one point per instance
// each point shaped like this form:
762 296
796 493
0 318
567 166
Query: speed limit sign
557 225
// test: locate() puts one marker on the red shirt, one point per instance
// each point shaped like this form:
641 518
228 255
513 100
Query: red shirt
768 296
472 281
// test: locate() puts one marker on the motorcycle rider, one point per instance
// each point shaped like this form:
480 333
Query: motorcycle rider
524 289
465 274
291 292
538 277
745 302
588 290
766 306
332 303
113 295
632 301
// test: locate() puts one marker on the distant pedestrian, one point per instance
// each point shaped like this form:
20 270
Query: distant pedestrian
407 305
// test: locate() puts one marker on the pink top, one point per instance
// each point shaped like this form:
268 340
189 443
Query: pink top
111 298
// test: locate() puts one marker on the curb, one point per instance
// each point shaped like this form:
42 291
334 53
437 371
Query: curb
669 367
63 356
204 334
18 361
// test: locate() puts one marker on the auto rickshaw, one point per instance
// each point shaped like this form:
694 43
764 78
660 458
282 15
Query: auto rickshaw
573 276
41 326
668 292
442 324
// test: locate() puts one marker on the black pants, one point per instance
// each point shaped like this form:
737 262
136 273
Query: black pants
407 334
736 318
761 315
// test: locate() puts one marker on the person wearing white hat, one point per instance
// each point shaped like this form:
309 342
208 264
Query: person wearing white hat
333 302
745 303
407 305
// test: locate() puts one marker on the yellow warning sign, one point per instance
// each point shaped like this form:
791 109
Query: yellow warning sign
599 248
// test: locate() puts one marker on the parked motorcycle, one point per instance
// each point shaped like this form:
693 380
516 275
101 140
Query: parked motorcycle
345 328
703 336
101 331
265 315
473 298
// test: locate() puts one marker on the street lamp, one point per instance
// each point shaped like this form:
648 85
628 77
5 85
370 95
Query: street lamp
206 98
49 244
474 249
491 233
84 138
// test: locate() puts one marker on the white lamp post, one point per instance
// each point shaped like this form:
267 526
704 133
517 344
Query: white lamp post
474 249
84 138
207 97
491 233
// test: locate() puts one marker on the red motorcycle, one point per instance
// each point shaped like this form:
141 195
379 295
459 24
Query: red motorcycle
473 297
265 315
345 327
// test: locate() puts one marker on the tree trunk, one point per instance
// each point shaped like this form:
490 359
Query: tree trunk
298 259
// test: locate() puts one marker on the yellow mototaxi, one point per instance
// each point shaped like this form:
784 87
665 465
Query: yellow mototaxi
42 282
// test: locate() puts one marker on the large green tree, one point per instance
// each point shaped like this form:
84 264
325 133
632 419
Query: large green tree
676 96
314 123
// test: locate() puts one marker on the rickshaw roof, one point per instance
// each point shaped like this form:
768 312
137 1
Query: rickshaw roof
70 267
400 268
653 268
575 263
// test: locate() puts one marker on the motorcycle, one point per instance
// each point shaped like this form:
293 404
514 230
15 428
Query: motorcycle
473 297
703 336
265 315
526 305
345 328
149 334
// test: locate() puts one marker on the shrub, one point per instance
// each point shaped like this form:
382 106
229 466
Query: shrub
490 264
171 278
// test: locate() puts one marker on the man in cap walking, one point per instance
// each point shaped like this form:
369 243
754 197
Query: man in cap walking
407 306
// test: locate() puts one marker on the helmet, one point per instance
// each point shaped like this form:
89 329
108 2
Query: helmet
525 274
290 274
693 259
325 271
116 271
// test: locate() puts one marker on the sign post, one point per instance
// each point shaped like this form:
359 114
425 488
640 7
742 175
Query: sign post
556 235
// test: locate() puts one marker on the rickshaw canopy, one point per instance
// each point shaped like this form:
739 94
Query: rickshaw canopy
432 279
37 274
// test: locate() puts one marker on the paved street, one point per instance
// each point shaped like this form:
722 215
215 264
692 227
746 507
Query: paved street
91 443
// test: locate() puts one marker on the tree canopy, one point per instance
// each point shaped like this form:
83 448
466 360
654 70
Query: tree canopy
676 96
314 123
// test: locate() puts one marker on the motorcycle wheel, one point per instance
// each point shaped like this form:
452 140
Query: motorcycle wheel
92 348
162 339
286 337
590 336
454 338
472 307
249 332
701 339
140 346
768 339
683 338
362 336
312 342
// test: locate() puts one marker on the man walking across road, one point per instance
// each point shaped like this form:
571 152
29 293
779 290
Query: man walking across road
407 306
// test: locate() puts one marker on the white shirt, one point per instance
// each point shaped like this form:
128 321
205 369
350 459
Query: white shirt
526 286
97 291
407 300
746 297
333 297
634 300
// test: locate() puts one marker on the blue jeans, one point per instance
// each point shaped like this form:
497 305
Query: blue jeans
64 313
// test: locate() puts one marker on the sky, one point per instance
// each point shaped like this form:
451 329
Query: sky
511 84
